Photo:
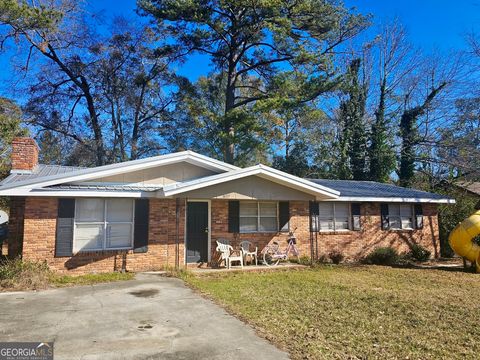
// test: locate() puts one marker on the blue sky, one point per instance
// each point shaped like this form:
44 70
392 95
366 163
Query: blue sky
432 25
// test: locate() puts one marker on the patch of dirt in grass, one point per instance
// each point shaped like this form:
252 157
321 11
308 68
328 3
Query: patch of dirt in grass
359 312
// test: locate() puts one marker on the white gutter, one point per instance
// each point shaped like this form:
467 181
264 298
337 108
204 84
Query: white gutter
78 193
394 199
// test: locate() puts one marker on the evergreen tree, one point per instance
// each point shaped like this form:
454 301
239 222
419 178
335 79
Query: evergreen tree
353 136
296 162
10 127
248 40
381 152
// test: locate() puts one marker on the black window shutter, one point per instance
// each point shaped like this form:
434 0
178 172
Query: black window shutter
64 234
284 215
355 209
418 216
233 216
384 213
140 231
314 212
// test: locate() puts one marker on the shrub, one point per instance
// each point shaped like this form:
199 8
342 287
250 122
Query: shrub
336 256
419 253
24 275
304 260
322 259
382 256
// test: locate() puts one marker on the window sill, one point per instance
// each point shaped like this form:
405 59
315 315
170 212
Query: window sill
401 230
261 232
338 232
102 251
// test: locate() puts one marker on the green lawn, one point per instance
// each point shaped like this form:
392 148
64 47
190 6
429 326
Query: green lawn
359 312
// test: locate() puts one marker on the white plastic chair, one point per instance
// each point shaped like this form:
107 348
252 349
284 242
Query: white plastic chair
245 245
227 254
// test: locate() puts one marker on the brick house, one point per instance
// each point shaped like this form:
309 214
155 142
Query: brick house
169 210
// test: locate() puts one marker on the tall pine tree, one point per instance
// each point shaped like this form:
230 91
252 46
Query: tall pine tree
248 40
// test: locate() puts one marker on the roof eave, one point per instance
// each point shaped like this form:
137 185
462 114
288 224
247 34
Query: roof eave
396 199
77 193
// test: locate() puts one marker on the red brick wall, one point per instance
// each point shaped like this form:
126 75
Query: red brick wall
40 228
39 240
24 153
356 244
352 244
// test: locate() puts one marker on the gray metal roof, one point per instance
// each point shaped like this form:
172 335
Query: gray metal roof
187 155
352 188
39 172
347 188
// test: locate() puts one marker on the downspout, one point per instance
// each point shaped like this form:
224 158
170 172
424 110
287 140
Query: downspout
313 220
316 237
310 222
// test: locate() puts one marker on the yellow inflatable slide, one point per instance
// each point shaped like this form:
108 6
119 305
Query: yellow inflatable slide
461 239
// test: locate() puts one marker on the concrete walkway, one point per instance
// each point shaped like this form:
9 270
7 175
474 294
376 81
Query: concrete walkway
151 317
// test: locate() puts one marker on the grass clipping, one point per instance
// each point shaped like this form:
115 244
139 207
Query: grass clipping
17 275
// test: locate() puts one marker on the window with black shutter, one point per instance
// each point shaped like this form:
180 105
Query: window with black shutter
140 231
284 216
65 221
233 216
384 215
355 211
418 216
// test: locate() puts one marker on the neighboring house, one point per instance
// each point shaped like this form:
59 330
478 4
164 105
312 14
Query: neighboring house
170 209
472 187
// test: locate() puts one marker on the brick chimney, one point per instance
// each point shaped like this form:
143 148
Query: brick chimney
24 154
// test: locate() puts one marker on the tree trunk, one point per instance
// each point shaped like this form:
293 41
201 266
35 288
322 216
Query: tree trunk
97 130
228 126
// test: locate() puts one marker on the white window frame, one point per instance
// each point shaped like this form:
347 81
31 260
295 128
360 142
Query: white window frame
105 224
334 218
258 217
399 217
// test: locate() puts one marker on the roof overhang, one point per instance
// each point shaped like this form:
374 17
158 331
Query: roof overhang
49 192
262 171
87 174
395 199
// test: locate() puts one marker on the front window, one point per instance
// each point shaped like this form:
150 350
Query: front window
333 216
103 224
258 216
400 216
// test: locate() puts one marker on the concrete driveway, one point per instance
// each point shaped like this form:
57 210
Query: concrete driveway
151 317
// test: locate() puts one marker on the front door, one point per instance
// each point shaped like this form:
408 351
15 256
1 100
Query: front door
197 231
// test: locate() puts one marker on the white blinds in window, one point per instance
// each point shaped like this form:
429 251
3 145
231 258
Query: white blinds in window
103 224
